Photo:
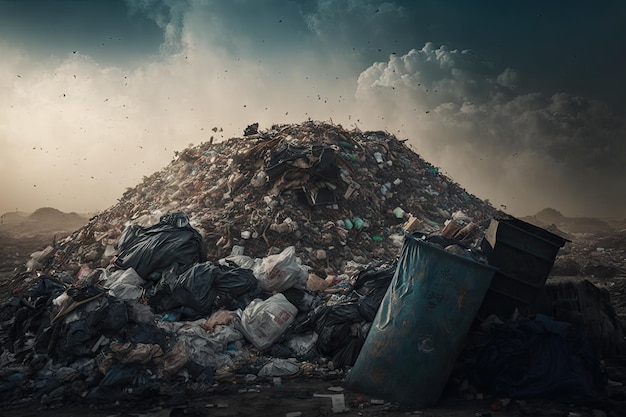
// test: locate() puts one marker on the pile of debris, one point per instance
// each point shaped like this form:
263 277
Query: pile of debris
335 195
262 256
601 255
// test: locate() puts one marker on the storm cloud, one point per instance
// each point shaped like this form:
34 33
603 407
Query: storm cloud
525 150
80 123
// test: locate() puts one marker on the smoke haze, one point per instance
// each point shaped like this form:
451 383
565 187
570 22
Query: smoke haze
521 115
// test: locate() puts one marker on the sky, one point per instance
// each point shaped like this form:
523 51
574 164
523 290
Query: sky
521 103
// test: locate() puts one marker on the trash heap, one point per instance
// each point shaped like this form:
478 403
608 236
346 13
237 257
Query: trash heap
335 195
266 255
601 255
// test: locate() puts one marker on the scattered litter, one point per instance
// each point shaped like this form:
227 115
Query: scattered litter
156 290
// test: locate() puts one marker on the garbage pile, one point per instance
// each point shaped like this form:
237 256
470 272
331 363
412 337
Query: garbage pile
263 256
601 255
335 195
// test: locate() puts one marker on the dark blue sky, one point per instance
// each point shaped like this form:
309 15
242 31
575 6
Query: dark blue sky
577 46
530 89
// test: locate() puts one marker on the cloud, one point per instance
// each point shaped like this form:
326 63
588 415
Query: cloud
524 150
79 130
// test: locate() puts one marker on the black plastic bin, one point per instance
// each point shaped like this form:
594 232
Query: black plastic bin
524 255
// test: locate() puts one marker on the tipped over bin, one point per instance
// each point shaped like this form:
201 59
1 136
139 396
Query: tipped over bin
419 329
524 255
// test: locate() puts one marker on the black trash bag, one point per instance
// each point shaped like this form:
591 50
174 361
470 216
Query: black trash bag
278 350
123 382
302 299
160 297
12 381
171 241
78 338
87 292
113 317
235 287
339 337
199 373
371 286
65 340
346 354
305 320
536 357
324 169
147 333
29 311
252 129
23 320
205 287
191 288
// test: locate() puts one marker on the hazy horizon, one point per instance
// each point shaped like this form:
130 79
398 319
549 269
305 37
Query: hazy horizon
521 104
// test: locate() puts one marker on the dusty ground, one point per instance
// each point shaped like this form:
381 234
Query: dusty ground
298 395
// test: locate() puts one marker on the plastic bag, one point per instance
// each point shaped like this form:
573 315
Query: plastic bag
241 261
172 241
282 271
38 258
263 322
301 344
125 284
205 287
279 367
342 332
302 299
371 286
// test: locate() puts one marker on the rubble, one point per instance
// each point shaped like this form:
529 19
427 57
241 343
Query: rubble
314 186
260 257
600 254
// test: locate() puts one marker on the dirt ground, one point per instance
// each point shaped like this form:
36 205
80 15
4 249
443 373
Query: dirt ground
307 396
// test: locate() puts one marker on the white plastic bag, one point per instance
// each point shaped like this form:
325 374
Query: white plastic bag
263 322
124 284
282 271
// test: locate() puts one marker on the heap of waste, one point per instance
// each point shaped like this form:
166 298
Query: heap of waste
264 255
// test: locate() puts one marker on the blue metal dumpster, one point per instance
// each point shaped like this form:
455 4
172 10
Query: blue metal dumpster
420 327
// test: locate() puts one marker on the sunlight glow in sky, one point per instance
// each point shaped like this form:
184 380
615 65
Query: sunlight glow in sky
522 104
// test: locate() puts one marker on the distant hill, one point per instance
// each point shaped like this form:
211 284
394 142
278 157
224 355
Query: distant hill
49 214
551 217
13 217
43 221
617 224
